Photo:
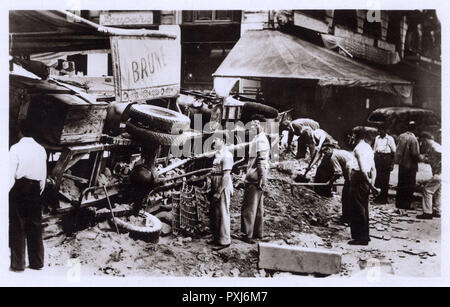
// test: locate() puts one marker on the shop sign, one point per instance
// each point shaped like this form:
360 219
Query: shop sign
145 67
126 18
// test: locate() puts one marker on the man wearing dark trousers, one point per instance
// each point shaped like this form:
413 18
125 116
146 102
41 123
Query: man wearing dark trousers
341 161
28 171
361 183
384 148
407 156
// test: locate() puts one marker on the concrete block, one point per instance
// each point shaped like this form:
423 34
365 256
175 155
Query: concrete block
298 259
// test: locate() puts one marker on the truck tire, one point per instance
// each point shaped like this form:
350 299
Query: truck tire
160 119
155 137
251 108
145 233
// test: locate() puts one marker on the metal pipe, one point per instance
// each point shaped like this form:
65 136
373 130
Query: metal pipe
187 174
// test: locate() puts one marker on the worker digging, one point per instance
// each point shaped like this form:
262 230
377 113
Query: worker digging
134 171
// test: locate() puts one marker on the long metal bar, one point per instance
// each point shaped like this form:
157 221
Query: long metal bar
95 168
187 174
110 208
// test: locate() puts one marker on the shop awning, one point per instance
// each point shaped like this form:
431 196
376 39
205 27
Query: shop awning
34 32
273 54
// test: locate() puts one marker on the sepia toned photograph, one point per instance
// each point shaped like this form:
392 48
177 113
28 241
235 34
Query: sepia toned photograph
279 144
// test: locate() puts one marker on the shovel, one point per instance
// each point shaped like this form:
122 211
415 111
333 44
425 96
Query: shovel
302 178
305 184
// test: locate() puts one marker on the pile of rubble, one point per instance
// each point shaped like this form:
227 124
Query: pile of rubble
286 209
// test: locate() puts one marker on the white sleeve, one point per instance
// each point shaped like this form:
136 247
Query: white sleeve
392 144
375 144
13 165
44 171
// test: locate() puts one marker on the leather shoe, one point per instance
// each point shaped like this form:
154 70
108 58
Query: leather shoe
247 240
211 242
436 214
344 221
16 270
358 242
425 216
220 247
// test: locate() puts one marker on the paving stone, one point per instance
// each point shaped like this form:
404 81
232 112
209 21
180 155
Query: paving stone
298 259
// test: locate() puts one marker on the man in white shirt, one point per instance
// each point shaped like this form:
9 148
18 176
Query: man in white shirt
28 171
361 183
384 148
252 211
431 153
314 140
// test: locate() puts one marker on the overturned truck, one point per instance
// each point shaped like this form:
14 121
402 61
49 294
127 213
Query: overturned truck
111 139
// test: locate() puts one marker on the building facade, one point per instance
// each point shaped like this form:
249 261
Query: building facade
406 43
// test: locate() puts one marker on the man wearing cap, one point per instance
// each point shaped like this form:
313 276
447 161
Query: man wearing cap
407 156
384 148
431 191
341 161
295 127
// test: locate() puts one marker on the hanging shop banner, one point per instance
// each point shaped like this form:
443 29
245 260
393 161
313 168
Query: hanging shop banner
145 67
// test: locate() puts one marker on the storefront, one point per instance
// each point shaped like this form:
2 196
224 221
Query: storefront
318 83
206 39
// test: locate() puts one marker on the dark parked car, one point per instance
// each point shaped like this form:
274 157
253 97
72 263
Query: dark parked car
396 120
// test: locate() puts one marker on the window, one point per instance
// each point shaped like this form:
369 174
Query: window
201 60
372 29
224 15
211 16
203 15
346 18
377 117
393 31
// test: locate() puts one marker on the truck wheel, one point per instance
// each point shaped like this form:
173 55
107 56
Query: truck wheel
251 108
148 233
160 119
155 137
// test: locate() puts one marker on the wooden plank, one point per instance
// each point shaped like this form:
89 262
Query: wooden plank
76 178
91 201
73 161
95 167
83 125
60 166
65 119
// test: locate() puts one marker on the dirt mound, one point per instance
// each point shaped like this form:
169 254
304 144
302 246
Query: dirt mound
289 209
288 212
